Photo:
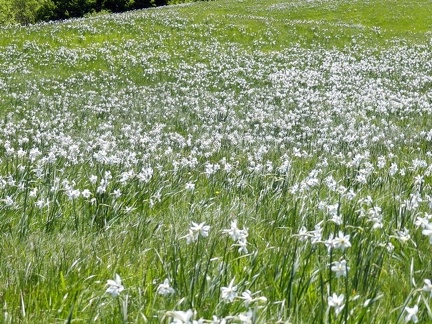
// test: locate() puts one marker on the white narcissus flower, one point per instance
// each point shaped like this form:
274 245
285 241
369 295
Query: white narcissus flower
86 193
216 320
190 186
93 179
337 302
8 201
329 243
411 314
195 230
165 289
423 222
404 235
114 286
427 230
200 228
247 318
428 286
317 233
242 244
341 241
340 268
181 317
236 233
249 298
230 292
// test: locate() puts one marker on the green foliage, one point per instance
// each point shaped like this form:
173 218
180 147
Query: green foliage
45 10
125 5
31 11
25 11
72 8
116 5
173 2
6 12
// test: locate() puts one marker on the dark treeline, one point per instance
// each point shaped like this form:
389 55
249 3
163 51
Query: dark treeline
63 9
32 11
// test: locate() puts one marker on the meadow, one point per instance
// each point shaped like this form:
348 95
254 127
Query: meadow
231 161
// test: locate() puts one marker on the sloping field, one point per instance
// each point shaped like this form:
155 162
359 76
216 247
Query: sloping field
219 162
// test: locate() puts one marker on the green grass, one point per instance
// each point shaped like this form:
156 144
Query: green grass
300 106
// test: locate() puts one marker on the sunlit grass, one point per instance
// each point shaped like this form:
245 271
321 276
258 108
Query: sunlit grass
299 132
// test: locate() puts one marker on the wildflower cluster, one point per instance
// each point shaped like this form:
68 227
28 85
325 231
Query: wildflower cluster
228 170
239 236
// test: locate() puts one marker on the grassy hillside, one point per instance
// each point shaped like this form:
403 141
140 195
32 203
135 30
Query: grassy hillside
247 161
